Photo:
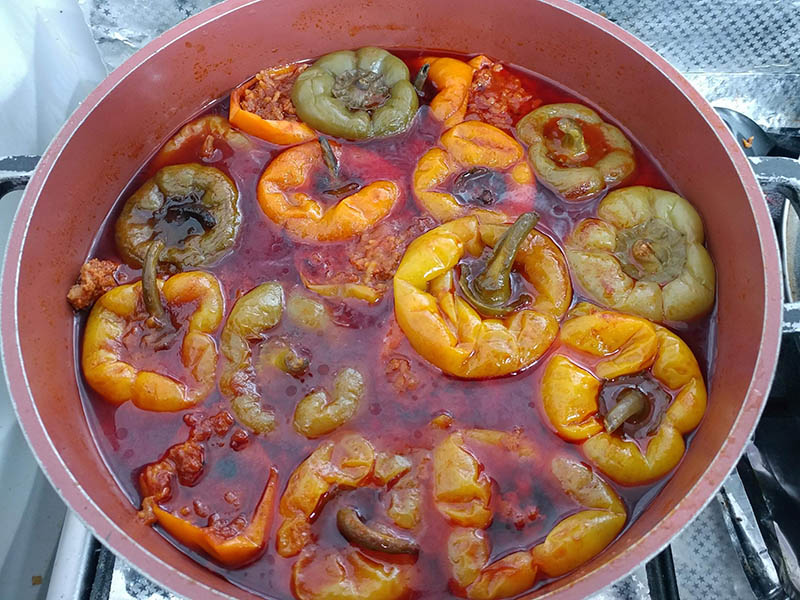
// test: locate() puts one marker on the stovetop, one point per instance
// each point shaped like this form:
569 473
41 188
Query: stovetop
740 54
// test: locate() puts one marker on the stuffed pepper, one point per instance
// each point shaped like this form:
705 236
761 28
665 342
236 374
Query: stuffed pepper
631 409
482 301
133 322
262 107
478 169
574 151
356 95
644 254
465 495
191 208
322 191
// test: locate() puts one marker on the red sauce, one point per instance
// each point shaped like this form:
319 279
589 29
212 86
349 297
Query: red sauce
237 464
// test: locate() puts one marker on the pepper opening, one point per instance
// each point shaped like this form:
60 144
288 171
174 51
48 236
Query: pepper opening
479 186
651 251
490 289
361 90
180 217
633 405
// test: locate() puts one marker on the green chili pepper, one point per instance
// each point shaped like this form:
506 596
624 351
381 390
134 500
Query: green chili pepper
489 291
356 94
191 208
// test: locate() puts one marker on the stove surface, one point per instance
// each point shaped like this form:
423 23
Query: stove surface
720 46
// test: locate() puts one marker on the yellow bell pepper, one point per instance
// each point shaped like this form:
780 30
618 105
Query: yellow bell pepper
305 218
449 332
625 345
462 493
211 126
580 537
347 574
116 311
346 463
452 78
474 150
644 254
574 151
461 490
236 551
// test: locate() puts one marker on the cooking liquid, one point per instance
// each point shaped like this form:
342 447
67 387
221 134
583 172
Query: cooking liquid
129 438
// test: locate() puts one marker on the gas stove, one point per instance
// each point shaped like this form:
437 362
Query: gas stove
742 545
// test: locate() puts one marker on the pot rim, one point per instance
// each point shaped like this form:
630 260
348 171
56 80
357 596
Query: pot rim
615 568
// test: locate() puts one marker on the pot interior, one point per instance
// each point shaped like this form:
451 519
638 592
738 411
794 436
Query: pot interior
137 109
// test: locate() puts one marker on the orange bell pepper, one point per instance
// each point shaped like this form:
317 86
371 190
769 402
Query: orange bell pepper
452 78
118 381
212 126
625 345
466 146
305 218
283 132
232 552
448 332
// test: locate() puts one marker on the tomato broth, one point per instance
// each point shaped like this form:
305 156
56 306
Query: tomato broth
395 415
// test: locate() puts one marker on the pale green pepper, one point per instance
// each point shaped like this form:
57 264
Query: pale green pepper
356 94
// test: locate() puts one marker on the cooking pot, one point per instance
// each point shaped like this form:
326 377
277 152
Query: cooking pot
135 110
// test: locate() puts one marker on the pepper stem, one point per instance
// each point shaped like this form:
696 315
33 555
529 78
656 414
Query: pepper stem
490 290
421 78
150 291
329 157
631 402
645 255
573 141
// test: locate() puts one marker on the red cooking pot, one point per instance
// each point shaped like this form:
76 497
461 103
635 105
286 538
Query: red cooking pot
142 103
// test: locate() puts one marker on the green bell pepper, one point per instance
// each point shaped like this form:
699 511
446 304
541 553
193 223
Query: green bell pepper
191 208
356 94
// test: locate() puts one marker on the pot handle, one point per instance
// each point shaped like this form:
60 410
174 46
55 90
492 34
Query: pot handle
16 171
782 175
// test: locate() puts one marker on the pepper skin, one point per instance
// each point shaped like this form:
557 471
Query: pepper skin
452 78
356 95
231 552
625 345
306 219
345 463
462 493
191 134
466 146
580 537
256 312
283 132
574 151
644 254
175 194
347 574
118 381
448 332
